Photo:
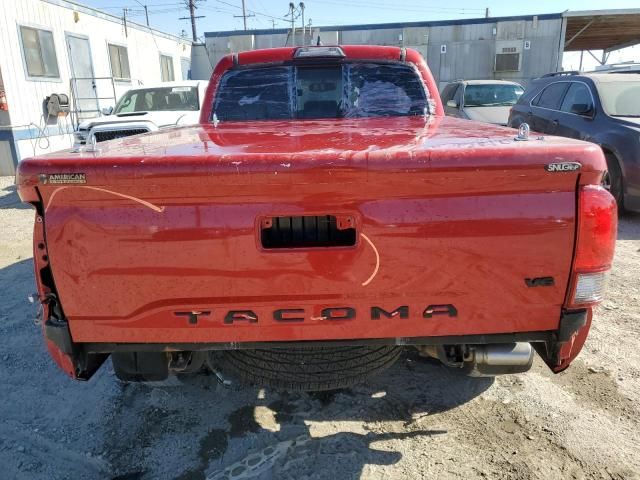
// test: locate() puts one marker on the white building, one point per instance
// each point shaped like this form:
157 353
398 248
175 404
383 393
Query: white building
61 47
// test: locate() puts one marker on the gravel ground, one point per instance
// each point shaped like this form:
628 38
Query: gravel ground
418 419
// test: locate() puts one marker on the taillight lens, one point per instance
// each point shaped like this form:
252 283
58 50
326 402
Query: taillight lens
597 230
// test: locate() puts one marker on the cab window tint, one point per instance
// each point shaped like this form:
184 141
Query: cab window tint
374 90
578 99
552 96
332 91
255 94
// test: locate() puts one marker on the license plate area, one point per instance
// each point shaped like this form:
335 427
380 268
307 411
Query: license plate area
309 231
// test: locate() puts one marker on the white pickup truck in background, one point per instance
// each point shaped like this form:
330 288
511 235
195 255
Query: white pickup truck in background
145 109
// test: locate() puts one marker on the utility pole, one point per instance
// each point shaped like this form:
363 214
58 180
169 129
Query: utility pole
301 6
192 14
486 13
244 15
191 4
292 10
124 21
146 11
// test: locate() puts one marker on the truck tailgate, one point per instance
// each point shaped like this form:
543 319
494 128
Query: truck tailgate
454 233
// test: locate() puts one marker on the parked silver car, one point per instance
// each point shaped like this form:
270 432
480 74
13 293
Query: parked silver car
482 100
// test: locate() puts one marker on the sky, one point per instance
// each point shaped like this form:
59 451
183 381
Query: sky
224 14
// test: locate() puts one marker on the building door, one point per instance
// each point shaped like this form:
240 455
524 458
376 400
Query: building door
185 65
83 83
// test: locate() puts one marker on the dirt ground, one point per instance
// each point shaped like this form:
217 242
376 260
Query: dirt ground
417 420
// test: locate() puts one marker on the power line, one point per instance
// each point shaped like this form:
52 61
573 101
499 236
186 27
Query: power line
251 11
244 15
404 7
191 5
148 5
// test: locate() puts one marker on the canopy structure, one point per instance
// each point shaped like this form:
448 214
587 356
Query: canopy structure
606 30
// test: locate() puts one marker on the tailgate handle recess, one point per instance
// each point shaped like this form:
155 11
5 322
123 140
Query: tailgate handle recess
309 231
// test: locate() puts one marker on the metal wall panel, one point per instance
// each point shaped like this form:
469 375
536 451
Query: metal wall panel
416 36
470 48
390 36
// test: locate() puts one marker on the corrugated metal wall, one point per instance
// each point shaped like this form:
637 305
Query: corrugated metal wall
469 49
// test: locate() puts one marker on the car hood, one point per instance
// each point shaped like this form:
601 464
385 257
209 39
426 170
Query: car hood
159 119
497 115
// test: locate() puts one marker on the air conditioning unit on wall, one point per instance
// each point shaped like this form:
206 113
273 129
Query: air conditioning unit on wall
508 56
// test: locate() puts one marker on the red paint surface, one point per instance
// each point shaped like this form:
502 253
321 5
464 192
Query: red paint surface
458 211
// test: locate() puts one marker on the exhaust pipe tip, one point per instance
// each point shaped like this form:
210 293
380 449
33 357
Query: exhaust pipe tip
499 359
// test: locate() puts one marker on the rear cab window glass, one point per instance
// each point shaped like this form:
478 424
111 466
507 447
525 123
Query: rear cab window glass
255 94
552 96
328 91
578 99
383 90
319 92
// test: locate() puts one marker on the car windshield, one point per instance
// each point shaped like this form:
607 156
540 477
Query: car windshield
491 95
620 99
165 99
329 91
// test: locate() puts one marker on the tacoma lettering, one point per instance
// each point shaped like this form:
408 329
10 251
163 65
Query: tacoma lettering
192 316
286 315
402 312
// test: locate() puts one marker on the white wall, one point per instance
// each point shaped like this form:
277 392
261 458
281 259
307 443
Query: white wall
25 96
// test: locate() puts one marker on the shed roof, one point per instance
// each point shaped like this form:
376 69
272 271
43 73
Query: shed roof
601 29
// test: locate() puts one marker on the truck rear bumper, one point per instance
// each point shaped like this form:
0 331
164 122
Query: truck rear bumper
482 339
556 347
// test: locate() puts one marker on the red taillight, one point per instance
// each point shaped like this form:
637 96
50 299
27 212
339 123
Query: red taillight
596 241
597 229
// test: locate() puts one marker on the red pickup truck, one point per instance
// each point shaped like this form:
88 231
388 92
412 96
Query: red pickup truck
323 215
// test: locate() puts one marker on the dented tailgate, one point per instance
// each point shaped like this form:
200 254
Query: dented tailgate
450 232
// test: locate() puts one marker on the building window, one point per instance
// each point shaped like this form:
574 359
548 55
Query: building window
119 63
39 53
507 62
166 68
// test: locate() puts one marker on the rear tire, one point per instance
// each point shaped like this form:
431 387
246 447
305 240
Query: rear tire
309 368
612 180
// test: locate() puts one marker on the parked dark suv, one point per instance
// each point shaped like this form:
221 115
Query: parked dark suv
602 108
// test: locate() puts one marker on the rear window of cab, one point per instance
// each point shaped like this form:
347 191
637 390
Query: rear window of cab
347 90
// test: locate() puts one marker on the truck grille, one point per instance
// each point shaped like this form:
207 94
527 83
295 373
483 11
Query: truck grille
307 232
113 134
